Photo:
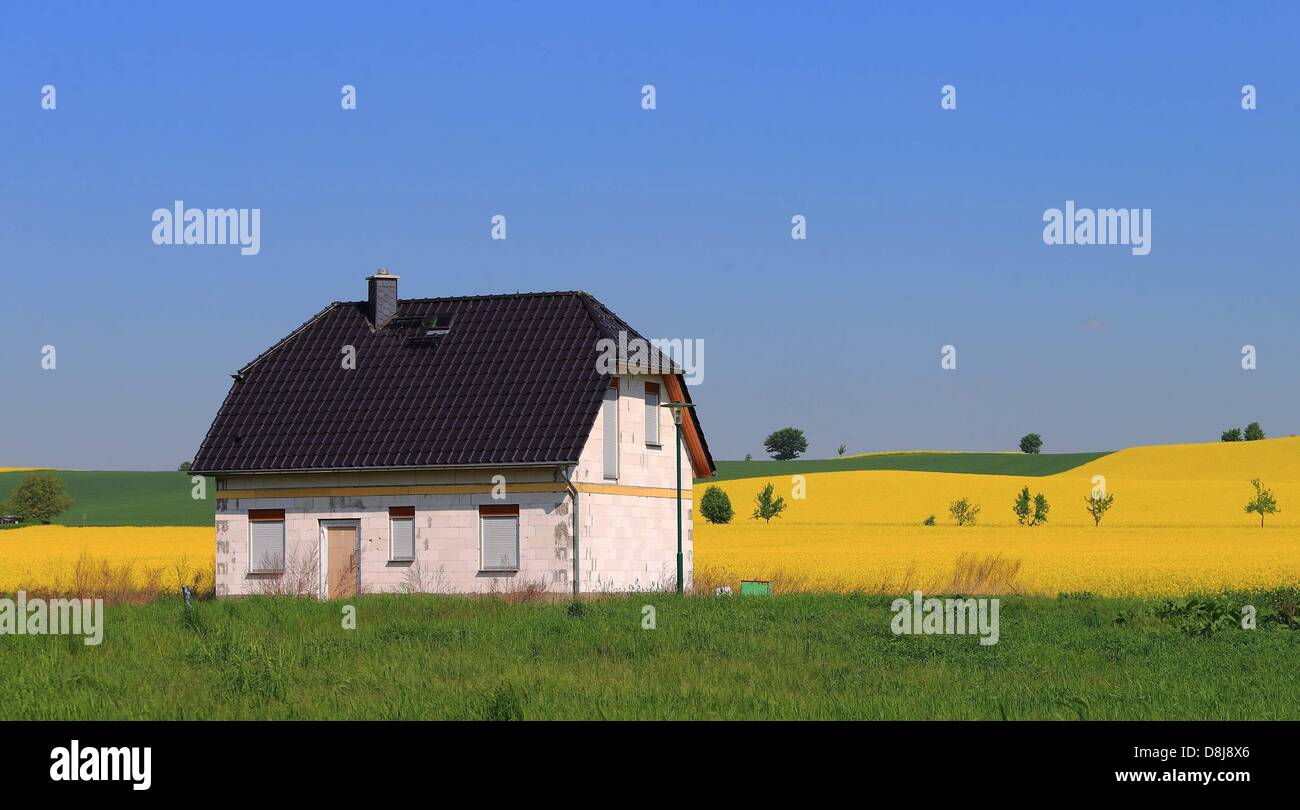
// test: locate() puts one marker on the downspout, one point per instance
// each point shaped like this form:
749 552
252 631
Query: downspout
573 493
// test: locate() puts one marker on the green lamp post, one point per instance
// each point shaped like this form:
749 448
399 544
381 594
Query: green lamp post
678 409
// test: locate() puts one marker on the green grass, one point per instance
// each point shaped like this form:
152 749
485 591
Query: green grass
102 498
794 656
982 463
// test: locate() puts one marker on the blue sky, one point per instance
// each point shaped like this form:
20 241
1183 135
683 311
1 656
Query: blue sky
924 225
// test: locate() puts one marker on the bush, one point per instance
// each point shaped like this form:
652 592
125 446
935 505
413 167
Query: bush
964 512
40 496
1230 435
767 507
928 521
1253 432
1031 443
715 506
786 444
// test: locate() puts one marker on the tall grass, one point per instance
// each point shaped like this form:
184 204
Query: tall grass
121 582
972 574
785 656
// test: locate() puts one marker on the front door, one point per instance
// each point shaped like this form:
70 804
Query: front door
341 553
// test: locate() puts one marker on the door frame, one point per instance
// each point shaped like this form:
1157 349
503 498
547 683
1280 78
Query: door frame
325 524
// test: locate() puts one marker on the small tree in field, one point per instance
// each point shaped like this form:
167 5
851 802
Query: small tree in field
1030 511
842 448
1253 432
715 506
786 444
964 512
1022 506
1230 435
1040 510
766 506
1097 506
1031 443
1263 503
40 496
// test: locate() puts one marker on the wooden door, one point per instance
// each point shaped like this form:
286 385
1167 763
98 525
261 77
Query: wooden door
342 556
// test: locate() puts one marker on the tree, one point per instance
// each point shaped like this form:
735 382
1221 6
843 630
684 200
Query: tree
1230 435
1097 506
841 449
786 443
1031 443
40 496
1254 432
185 467
1040 510
749 457
1030 512
767 507
1021 507
715 506
1263 503
964 512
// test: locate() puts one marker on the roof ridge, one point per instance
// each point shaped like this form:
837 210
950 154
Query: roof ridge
482 296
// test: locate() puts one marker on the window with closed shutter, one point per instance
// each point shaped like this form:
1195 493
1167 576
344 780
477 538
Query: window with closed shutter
266 545
611 429
652 413
403 533
500 542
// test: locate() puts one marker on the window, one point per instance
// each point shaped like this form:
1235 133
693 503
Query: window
611 429
499 537
652 414
401 526
265 541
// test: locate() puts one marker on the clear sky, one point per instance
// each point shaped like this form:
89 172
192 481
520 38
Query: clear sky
924 225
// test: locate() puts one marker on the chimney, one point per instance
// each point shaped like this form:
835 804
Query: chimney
382 302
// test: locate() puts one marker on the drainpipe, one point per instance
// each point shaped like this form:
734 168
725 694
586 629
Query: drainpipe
567 474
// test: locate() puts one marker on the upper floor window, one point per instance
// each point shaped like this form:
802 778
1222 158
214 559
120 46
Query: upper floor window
610 417
652 414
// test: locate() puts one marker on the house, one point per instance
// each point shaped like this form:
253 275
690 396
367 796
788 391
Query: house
463 445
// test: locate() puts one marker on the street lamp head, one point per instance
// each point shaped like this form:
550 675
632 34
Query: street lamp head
678 409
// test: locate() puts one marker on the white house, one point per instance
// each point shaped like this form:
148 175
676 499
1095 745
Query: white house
454 445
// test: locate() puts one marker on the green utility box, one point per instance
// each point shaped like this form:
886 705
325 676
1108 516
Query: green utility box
750 587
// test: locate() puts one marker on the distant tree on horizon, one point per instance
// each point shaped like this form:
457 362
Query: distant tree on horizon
184 467
40 496
1031 443
1230 435
786 444
1253 432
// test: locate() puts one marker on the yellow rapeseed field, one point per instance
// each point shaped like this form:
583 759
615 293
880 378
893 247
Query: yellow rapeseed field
1177 525
47 556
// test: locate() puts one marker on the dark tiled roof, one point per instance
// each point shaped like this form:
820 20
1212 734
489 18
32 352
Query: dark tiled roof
513 381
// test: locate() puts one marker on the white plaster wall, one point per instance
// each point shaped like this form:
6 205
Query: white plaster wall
627 541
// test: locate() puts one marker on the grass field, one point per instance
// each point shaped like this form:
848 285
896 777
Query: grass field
816 657
103 498
1020 464
1177 525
